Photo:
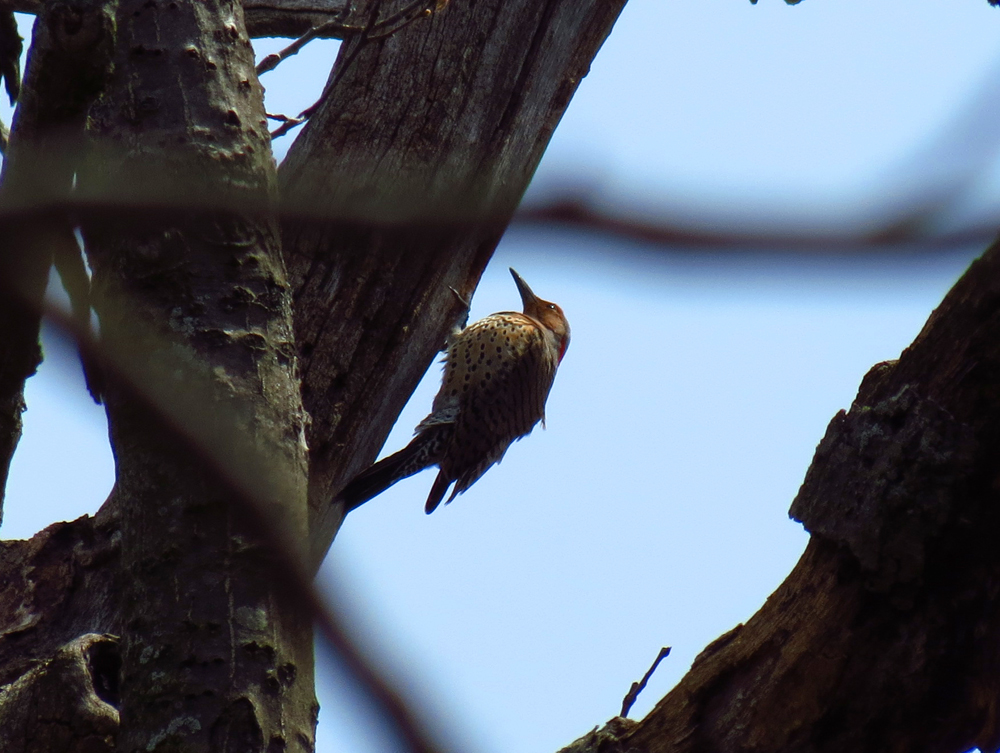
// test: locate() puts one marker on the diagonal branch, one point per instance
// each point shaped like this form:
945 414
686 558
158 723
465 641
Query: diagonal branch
885 635
417 157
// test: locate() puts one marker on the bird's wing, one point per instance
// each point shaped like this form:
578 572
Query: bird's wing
500 372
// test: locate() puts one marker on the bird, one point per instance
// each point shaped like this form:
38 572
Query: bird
497 375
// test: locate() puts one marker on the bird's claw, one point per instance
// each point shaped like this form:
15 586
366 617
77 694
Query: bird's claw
461 299
460 321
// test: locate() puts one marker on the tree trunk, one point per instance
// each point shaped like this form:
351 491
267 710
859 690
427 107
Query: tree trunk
196 300
884 637
196 314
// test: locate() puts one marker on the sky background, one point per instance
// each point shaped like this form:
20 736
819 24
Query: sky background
653 510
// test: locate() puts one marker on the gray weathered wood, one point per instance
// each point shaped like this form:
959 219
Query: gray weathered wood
401 186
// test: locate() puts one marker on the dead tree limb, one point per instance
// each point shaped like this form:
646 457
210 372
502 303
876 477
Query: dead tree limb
457 110
886 635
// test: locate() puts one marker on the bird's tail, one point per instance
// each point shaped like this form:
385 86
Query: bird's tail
416 456
441 484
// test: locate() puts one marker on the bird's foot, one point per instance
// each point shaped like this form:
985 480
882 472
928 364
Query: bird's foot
460 321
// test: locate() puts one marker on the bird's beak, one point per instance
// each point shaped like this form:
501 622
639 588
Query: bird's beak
529 299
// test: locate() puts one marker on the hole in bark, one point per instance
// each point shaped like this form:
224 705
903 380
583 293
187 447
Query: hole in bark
237 729
105 664
286 674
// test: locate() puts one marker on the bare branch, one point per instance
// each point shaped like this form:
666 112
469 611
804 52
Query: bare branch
272 61
293 18
10 55
638 687
886 628
667 237
916 229
265 18
374 30
335 28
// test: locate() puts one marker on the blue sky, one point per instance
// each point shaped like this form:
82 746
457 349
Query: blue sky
653 509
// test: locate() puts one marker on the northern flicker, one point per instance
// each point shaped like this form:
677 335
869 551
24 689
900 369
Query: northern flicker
497 375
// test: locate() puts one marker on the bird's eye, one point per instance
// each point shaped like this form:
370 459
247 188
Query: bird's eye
552 306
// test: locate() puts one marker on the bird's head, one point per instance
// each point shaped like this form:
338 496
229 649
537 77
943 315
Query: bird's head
546 313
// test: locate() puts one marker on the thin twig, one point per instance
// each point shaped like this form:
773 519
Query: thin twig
338 29
637 687
338 74
270 62
372 31
283 118
409 14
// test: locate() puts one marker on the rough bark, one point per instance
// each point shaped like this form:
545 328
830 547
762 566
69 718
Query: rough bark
401 186
202 295
66 704
213 657
886 636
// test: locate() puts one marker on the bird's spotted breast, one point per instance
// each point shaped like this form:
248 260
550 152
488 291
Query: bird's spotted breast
497 375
